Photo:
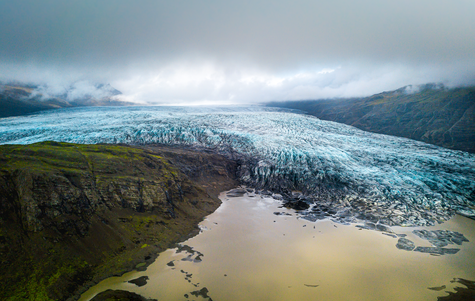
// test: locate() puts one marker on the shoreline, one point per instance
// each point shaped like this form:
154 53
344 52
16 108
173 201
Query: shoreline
153 254
344 237
131 192
74 214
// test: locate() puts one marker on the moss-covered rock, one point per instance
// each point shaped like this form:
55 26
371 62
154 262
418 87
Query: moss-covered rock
72 214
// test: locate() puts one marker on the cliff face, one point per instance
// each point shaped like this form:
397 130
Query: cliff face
436 115
70 213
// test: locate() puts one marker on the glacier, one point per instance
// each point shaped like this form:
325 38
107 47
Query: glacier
329 169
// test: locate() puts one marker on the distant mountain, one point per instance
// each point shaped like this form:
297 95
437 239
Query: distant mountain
20 99
430 113
15 101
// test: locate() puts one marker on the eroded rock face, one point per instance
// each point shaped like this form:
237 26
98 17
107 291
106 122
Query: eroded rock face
47 197
69 209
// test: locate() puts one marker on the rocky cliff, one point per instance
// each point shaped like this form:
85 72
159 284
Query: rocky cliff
73 214
429 113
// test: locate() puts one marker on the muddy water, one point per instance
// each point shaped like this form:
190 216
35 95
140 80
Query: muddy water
249 253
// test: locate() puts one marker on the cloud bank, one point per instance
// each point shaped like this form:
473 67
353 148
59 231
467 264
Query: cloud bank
195 52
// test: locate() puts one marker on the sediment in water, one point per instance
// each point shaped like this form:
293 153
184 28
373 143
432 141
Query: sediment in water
245 244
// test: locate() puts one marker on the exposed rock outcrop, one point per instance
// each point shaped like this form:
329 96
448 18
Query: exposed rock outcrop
72 214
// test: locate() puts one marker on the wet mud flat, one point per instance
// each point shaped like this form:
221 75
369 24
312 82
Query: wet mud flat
252 248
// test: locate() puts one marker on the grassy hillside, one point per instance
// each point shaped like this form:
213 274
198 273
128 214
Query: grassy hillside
73 214
436 115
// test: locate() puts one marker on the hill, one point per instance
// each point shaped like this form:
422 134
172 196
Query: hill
429 113
74 214
18 99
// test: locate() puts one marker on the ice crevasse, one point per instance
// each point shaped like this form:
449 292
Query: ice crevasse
342 171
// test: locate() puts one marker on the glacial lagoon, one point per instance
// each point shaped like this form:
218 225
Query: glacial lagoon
251 248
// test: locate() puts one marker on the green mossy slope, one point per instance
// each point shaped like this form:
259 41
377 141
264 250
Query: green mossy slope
433 114
73 214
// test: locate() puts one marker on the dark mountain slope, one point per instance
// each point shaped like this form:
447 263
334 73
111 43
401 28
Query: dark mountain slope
20 99
74 214
434 114
16 101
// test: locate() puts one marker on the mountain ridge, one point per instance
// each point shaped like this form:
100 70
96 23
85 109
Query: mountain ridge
17 99
429 113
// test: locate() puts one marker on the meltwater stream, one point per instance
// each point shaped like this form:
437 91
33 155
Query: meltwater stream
341 171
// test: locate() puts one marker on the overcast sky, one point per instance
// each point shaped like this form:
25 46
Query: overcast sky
207 51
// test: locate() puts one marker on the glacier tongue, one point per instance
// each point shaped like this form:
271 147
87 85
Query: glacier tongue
342 171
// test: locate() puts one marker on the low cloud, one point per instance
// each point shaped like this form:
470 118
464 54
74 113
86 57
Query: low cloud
215 84
194 52
75 92
182 83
